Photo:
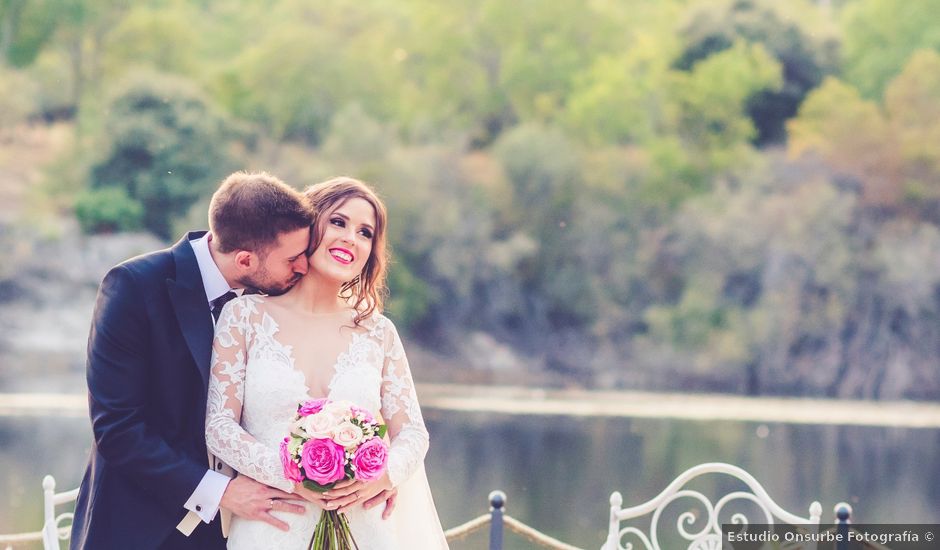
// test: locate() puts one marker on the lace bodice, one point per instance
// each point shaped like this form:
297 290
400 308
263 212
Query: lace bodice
255 387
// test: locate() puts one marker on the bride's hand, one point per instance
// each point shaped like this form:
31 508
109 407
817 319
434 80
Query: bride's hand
358 492
321 500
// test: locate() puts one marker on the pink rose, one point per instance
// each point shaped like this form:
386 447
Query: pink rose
323 461
313 406
291 470
366 415
370 459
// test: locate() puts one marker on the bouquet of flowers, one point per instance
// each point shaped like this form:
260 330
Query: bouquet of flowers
332 441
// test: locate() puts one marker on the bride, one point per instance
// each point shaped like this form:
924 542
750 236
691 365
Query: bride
326 337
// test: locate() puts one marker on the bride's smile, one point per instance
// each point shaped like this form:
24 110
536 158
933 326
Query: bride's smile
345 243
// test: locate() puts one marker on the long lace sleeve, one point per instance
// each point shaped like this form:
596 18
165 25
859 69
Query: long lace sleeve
225 437
401 411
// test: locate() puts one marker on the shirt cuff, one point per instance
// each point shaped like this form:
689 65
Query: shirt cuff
204 502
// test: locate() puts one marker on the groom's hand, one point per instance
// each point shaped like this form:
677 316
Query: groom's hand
387 496
250 499
366 493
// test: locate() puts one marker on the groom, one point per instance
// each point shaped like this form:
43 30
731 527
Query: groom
149 484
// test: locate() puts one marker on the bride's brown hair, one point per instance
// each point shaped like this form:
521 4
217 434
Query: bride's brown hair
368 290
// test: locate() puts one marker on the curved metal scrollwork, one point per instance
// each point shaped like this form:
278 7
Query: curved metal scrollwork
709 536
63 531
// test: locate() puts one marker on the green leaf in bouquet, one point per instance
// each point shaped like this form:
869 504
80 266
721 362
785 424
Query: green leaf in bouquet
381 431
314 486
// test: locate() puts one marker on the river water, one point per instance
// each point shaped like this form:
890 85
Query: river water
558 472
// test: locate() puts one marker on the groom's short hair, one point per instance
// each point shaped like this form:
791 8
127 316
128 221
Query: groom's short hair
250 209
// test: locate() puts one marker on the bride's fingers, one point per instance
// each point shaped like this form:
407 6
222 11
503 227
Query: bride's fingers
345 483
341 503
347 488
310 496
368 492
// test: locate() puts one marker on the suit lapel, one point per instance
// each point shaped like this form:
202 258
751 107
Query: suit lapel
188 297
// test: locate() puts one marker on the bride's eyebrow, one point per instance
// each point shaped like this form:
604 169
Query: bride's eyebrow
346 218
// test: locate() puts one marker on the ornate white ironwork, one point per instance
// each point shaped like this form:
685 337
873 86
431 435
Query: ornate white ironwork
709 536
53 529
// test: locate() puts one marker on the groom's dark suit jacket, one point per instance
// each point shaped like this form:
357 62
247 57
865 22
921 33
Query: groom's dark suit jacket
148 368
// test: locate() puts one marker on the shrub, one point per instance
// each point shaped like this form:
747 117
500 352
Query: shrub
108 210
164 145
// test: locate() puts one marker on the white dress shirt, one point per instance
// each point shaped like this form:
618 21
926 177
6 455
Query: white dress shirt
204 502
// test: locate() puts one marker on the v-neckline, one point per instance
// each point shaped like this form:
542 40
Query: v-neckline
292 360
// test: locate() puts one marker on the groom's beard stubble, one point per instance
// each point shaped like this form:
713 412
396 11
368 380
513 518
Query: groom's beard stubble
260 283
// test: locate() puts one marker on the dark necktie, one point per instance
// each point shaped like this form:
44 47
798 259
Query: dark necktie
220 302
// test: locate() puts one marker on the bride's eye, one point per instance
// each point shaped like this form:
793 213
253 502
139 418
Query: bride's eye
338 222
365 232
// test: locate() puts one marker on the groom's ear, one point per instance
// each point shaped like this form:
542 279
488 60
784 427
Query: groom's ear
246 260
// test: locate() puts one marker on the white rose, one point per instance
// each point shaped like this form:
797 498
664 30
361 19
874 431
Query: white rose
319 426
347 435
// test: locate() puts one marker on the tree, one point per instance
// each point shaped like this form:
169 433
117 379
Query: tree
851 135
307 63
799 44
880 35
25 28
17 97
623 99
912 102
108 210
163 39
164 144
712 101
767 273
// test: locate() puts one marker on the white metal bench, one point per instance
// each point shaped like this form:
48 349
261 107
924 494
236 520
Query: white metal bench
52 529
705 538
701 538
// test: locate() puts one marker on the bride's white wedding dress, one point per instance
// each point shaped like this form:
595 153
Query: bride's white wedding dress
255 387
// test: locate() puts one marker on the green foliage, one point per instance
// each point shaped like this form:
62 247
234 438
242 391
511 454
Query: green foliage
543 167
848 132
541 162
17 97
293 77
410 299
576 179
713 96
623 99
165 40
357 138
879 37
164 145
912 102
765 273
890 152
108 210
543 44
25 28
51 72
792 41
